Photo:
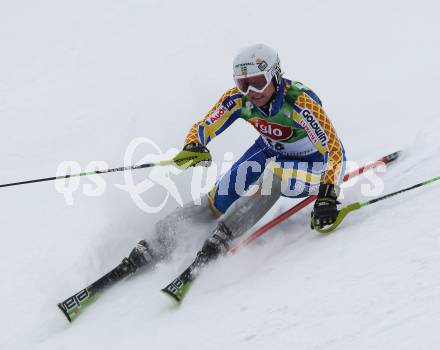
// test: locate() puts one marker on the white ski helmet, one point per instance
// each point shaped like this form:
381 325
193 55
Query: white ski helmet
254 68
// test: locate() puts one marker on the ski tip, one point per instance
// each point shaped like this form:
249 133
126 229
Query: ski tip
172 295
64 311
73 306
177 289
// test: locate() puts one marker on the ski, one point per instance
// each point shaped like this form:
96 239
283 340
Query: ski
179 287
74 305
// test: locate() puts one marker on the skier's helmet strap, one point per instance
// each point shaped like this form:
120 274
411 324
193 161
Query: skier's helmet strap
255 59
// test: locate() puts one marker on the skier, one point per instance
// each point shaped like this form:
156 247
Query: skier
297 154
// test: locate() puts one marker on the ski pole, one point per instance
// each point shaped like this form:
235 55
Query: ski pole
358 205
125 168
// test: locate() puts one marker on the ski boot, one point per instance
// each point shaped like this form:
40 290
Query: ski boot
216 245
139 257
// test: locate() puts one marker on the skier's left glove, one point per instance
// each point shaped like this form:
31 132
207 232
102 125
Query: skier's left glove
193 154
325 210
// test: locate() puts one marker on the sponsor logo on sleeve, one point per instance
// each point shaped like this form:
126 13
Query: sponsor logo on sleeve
227 105
313 128
216 115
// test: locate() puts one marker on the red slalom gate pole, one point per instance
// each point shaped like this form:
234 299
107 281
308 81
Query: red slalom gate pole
305 202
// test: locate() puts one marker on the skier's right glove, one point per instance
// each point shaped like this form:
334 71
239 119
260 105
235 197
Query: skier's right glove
325 210
193 154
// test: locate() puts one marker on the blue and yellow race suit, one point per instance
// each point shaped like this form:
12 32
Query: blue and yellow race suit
297 142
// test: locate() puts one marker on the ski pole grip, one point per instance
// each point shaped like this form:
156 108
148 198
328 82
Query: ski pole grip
342 214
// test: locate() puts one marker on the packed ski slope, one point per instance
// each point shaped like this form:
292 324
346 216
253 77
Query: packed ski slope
80 80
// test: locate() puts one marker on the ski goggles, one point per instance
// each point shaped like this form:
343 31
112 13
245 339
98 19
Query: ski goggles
257 82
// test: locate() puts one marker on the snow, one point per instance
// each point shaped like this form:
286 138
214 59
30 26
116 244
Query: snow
79 81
